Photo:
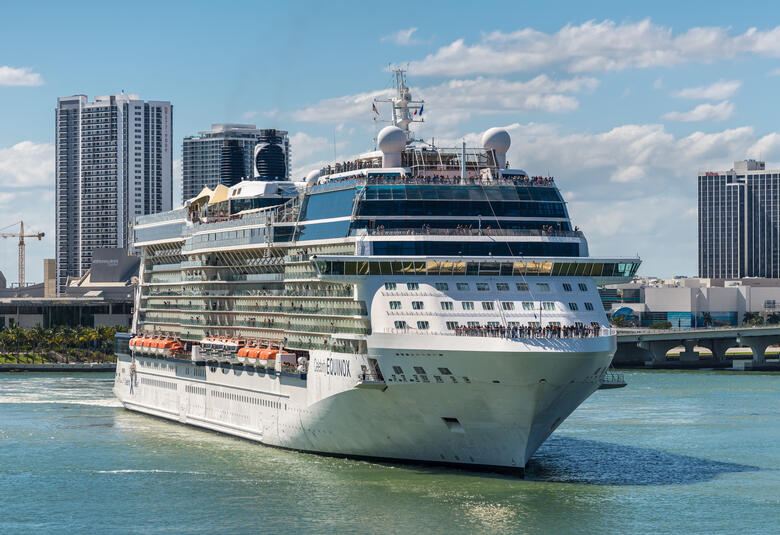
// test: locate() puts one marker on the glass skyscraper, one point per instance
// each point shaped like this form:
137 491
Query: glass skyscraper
113 163
739 222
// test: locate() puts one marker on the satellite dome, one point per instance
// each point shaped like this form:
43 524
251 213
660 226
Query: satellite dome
496 139
391 139
312 177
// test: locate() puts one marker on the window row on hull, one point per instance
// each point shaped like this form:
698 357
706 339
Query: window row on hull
458 201
463 248
462 192
454 208
474 223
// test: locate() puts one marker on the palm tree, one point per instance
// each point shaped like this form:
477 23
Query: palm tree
706 319
773 318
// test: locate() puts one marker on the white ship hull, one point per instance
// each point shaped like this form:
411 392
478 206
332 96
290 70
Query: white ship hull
511 403
423 304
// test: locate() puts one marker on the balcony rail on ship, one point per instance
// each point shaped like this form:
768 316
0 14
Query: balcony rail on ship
434 179
488 231
484 331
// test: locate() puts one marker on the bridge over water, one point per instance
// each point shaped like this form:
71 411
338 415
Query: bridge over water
652 345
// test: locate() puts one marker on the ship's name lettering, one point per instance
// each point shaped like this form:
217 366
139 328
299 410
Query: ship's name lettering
337 367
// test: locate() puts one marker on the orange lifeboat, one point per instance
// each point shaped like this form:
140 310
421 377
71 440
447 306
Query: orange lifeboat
266 357
251 355
164 347
146 344
157 346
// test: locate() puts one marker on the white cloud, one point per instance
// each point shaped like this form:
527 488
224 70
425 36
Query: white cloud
22 76
310 152
595 46
27 193
455 101
249 115
766 148
303 145
703 112
340 109
720 90
402 37
27 165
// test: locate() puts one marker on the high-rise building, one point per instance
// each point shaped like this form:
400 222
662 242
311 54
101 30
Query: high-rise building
113 163
739 222
226 155
272 155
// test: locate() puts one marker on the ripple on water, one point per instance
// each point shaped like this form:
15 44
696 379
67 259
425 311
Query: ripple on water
671 453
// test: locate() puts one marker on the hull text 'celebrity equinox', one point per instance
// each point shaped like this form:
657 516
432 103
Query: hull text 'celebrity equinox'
418 303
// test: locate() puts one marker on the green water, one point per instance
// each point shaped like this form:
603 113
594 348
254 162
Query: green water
675 452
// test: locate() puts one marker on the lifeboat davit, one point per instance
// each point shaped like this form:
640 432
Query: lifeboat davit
169 347
176 347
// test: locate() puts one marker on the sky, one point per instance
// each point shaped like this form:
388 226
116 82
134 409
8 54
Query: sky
622 102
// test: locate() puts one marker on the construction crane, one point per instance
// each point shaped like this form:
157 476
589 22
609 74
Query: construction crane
21 235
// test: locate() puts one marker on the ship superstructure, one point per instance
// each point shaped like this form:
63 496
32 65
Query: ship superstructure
416 303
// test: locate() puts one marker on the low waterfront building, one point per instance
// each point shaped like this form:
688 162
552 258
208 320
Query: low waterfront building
691 302
102 296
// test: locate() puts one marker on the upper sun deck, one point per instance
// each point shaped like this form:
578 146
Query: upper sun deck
383 203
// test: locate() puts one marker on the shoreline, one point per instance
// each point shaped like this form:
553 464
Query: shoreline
59 367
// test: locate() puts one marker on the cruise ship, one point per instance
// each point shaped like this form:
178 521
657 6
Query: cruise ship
417 303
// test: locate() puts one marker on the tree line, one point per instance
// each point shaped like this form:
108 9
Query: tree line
58 344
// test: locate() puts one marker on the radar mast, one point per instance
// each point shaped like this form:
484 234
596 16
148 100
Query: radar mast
405 109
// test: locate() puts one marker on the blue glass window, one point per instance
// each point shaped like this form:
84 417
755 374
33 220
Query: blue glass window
420 248
322 231
328 205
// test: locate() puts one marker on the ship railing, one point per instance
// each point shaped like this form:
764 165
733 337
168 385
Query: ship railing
248 293
314 329
296 258
370 377
471 232
318 293
508 333
425 180
338 347
179 213
428 180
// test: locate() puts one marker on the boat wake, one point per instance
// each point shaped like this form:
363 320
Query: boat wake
151 471
102 402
